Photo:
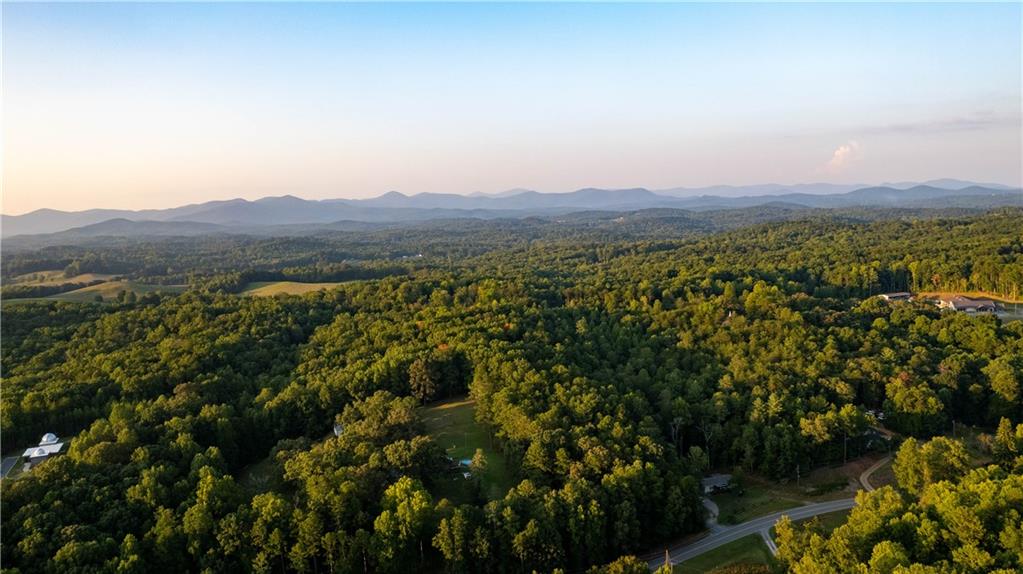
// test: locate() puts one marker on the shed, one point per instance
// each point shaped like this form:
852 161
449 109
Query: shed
899 296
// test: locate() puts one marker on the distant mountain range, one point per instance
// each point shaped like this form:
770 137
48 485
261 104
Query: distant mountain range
243 216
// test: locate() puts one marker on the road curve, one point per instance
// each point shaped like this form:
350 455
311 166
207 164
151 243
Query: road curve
733 533
865 477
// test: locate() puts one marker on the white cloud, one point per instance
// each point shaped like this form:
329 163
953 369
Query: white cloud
846 154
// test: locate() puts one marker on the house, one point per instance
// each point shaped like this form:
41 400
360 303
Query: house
716 483
49 446
900 296
967 305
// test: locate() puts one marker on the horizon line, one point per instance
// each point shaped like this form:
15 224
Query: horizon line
521 190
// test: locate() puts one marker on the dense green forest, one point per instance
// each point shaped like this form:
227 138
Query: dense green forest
941 517
610 369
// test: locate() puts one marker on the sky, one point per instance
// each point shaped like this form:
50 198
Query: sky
157 105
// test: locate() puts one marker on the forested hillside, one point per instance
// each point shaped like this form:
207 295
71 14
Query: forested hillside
610 369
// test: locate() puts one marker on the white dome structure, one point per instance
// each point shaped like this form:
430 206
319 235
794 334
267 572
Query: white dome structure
49 446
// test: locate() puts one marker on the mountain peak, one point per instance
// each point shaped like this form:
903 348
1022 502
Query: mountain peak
280 199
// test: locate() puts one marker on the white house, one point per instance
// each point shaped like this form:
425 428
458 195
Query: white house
49 446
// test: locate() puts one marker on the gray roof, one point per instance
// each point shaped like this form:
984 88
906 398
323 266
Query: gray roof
716 480
43 450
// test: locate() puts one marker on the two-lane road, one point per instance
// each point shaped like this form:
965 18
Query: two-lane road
757 525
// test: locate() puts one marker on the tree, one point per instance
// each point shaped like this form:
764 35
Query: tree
624 565
130 559
887 556
938 459
270 531
1005 375
478 464
424 380
308 541
452 540
1007 445
407 508
699 462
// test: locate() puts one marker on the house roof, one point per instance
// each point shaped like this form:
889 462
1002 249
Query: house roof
48 438
43 450
960 302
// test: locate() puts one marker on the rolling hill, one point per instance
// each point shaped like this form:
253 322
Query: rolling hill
259 216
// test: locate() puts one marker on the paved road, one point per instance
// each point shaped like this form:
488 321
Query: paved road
726 534
865 477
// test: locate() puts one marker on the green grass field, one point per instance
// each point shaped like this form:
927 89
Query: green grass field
748 550
760 497
110 289
270 288
453 425
56 277
756 500
833 520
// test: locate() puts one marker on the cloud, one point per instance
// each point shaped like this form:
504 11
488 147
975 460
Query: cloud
843 157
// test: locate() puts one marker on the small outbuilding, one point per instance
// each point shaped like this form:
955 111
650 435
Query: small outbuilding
900 296
716 483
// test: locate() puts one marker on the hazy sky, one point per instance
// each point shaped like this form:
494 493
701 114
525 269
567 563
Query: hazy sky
134 105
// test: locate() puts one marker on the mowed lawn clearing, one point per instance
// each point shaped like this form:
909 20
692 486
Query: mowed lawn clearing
748 550
452 423
270 288
759 496
831 520
755 500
